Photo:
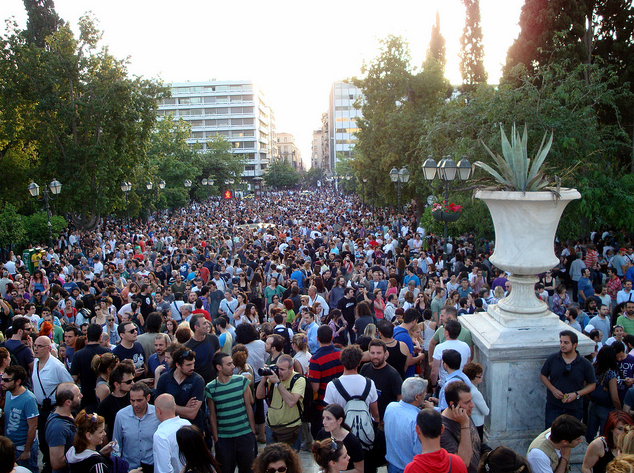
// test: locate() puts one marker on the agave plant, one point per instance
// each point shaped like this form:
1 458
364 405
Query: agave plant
515 171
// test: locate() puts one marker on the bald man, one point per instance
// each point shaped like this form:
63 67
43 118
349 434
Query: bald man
48 373
166 453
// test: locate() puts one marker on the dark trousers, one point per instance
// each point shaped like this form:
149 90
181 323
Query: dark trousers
236 451
41 437
316 423
552 412
375 457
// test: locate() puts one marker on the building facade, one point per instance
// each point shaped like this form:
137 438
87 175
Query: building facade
317 150
288 151
236 110
342 116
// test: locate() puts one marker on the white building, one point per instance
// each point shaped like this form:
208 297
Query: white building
234 109
342 115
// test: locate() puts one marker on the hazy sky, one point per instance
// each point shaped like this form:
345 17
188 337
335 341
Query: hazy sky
293 50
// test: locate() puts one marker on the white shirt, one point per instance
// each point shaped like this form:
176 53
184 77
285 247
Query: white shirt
459 346
166 452
539 461
354 384
52 374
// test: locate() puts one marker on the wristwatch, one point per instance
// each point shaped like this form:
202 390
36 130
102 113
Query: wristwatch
577 393
278 384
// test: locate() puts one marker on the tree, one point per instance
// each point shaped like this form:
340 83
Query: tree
436 50
12 232
472 48
42 21
312 176
87 122
282 175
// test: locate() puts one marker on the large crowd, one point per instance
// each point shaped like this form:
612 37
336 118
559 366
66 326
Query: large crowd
298 321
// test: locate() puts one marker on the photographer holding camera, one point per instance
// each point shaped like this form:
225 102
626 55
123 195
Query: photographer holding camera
284 390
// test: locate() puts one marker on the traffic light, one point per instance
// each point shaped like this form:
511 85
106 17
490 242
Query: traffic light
228 195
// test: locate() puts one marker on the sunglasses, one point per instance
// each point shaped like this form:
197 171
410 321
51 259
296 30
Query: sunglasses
7 380
128 382
132 331
281 469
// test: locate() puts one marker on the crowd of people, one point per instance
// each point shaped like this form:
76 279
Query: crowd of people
299 321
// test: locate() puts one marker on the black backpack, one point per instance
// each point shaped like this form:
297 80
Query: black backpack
287 339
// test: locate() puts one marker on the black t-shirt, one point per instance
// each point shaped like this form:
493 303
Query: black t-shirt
87 377
388 384
108 409
136 354
192 386
204 353
145 304
346 306
567 378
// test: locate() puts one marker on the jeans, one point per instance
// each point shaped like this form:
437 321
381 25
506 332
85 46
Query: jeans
552 412
597 415
31 463
236 451
392 469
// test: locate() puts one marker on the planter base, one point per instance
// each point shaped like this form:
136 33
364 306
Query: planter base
521 308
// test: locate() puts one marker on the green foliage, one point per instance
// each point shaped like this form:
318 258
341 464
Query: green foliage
475 217
282 175
472 48
436 51
514 169
36 227
12 231
312 176
42 21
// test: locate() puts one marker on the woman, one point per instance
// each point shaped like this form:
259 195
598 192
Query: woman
251 314
548 280
321 288
239 355
239 314
274 306
243 284
170 328
277 458
289 308
369 333
409 300
338 325
193 451
378 304
392 287
256 286
336 428
299 343
273 289
103 365
605 396
561 301
603 449
337 291
100 318
39 281
474 372
83 456
503 460
332 456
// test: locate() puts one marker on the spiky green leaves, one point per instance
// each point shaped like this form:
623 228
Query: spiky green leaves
515 171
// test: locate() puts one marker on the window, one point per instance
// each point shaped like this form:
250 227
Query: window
196 111
169 101
196 123
210 99
222 99
197 134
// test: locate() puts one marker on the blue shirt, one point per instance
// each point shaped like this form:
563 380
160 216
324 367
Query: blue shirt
400 434
413 277
17 410
455 376
153 363
298 276
402 335
311 335
135 435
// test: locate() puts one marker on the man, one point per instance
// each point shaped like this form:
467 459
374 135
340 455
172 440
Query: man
120 381
48 373
283 331
71 333
347 306
175 306
215 297
434 458
165 449
161 342
274 346
152 326
448 313
186 311
134 428
550 451
228 305
285 392
619 263
626 294
460 435
16 345
464 290
627 319
452 330
388 386
324 366
130 349
437 303
60 427
400 420
451 361
21 422
377 283
576 269
308 318
231 416
205 345
602 322
186 386
568 376
178 286
401 333
397 351
585 286
314 297
81 369
145 301
390 308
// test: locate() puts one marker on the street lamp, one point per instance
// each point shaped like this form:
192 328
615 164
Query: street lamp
55 188
126 187
363 181
448 171
399 178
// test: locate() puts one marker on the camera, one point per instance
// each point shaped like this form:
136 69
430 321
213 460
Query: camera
268 370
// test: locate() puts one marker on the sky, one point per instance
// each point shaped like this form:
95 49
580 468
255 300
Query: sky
292 50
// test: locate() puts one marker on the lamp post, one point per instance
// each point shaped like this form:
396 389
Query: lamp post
399 177
126 187
448 171
55 188
188 185
363 181
229 183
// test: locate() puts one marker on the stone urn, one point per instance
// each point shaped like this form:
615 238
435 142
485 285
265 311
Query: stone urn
525 225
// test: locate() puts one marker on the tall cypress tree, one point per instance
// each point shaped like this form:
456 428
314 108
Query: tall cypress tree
472 48
42 21
436 48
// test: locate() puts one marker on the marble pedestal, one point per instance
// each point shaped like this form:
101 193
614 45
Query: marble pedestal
512 358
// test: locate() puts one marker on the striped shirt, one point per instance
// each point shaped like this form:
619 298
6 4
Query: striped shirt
324 366
231 413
